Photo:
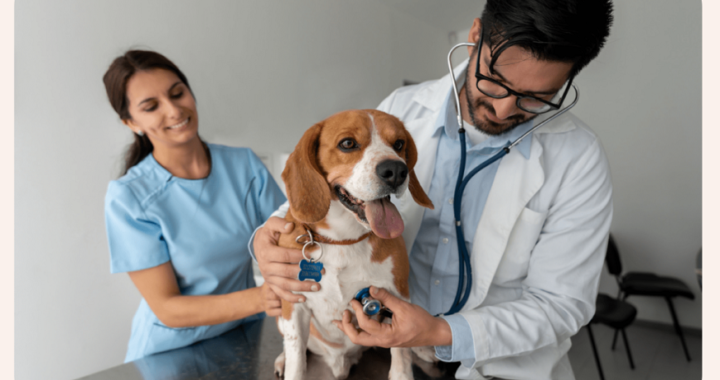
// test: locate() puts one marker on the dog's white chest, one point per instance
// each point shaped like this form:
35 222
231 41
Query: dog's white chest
348 269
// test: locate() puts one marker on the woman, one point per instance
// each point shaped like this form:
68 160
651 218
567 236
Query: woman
179 219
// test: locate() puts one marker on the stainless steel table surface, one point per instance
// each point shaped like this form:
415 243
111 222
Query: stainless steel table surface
248 352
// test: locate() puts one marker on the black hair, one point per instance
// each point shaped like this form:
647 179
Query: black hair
552 30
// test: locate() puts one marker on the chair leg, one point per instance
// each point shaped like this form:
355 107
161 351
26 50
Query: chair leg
627 348
615 336
614 340
678 329
597 358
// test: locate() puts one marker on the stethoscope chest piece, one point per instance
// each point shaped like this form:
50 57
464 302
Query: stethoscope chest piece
370 306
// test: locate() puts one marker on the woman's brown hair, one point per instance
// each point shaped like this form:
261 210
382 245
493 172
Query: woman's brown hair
115 79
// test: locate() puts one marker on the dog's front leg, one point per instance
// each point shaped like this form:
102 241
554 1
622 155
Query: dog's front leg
295 336
400 364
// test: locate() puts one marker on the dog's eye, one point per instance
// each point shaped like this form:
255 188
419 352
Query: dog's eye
399 144
347 145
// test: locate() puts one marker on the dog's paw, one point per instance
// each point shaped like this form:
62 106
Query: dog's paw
400 376
424 358
280 365
426 353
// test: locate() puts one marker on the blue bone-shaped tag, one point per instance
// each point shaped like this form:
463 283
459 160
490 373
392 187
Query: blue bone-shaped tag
310 271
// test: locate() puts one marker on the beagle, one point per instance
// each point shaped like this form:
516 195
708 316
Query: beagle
339 180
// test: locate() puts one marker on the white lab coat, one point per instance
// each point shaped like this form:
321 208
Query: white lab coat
539 246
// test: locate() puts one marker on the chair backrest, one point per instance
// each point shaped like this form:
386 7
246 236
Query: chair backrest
612 258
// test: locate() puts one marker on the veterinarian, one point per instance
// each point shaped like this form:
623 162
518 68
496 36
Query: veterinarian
536 222
180 218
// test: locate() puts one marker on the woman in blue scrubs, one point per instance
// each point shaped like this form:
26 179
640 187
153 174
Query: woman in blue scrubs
179 219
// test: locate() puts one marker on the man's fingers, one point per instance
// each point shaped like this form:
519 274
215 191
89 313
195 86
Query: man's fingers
358 337
348 327
287 296
366 323
387 299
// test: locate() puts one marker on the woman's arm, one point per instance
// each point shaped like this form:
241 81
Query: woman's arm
158 286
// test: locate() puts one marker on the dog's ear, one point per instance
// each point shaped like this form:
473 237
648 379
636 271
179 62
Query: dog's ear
416 190
307 189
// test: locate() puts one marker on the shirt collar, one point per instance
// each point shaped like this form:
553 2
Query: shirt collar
447 122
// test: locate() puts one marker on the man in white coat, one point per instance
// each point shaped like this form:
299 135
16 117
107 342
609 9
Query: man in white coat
536 222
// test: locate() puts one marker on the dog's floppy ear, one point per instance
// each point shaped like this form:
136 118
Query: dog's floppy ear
416 190
307 189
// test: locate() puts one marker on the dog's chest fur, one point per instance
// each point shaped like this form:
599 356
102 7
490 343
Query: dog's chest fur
347 270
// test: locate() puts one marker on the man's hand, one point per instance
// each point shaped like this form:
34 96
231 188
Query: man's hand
411 326
278 265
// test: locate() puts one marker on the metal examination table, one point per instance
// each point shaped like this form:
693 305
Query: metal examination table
248 352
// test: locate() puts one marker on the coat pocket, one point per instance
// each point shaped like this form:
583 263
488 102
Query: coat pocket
514 264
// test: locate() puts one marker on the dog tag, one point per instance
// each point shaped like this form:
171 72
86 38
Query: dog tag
310 271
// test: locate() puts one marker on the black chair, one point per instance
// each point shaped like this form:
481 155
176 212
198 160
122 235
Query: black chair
647 284
616 314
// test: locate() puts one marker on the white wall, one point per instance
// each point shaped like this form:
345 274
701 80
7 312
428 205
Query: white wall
263 72
642 96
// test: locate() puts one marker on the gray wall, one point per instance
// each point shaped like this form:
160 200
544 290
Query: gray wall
263 72
642 96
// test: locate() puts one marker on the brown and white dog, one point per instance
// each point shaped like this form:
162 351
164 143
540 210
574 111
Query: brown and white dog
339 180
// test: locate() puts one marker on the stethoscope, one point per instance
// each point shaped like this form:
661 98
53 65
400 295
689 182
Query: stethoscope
372 307
465 272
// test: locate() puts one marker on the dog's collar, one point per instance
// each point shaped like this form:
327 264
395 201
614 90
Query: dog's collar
312 236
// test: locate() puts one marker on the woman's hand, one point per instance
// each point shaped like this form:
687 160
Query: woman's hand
278 265
270 300
411 326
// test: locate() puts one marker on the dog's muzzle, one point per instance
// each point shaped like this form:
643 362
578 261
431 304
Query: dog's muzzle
393 173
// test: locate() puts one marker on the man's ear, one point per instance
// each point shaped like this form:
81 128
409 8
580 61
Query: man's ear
474 35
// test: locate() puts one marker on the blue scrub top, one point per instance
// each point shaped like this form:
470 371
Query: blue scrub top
201 226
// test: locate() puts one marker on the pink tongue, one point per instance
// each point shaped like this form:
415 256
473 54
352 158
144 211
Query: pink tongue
384 218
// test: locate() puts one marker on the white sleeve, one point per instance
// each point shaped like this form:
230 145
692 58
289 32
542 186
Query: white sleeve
558 294
280 213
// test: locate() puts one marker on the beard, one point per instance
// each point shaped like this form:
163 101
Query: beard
486 126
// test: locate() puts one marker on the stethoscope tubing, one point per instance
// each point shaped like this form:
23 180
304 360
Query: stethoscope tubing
465 269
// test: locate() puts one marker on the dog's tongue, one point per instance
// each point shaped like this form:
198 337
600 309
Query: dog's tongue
384 218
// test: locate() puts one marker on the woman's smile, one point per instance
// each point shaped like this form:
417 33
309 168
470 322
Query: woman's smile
179 125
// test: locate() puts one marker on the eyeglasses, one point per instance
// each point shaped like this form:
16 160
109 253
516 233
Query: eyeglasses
527 103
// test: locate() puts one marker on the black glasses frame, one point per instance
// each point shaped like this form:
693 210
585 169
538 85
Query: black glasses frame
510 91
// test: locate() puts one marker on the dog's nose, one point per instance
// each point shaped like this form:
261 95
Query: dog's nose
392 172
